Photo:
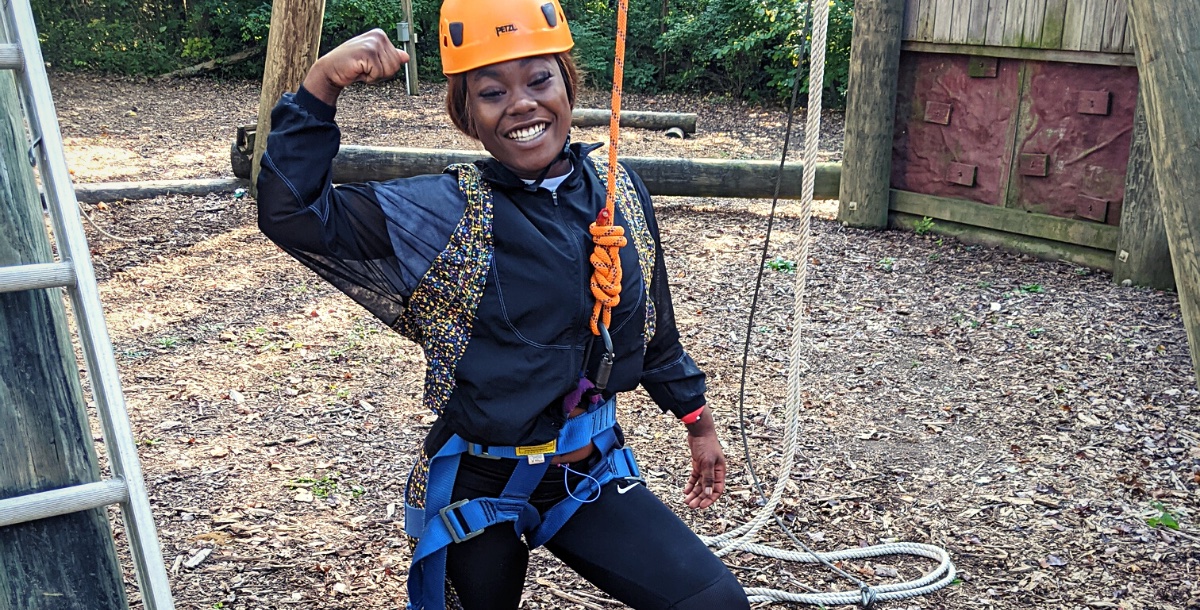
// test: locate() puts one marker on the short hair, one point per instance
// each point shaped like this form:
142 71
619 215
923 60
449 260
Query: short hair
460 111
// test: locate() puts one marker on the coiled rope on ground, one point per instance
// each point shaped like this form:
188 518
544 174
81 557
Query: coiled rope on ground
742 538
606 285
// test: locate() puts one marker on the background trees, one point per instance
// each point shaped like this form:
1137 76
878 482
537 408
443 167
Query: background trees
745 48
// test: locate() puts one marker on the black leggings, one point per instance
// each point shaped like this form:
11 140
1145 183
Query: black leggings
630 545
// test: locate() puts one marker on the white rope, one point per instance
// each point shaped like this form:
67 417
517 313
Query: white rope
741 538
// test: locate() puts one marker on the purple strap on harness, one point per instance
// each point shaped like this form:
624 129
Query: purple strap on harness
572 400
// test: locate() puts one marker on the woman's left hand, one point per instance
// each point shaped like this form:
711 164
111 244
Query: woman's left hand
707 480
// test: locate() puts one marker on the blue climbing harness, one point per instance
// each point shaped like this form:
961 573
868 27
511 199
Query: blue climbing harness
439 316
441 523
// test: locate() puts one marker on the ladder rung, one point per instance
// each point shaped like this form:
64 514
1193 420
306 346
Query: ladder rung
32 277
11 58
62 501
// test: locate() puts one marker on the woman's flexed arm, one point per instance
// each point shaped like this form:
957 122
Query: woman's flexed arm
366 58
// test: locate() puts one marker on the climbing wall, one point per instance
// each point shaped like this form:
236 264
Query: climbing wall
1039 136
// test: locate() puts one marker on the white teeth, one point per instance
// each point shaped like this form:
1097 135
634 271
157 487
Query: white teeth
527 134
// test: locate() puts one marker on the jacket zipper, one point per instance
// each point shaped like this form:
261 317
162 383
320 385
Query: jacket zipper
581 316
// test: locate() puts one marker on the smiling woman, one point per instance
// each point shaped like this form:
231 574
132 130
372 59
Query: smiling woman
520 110
486 267
549 80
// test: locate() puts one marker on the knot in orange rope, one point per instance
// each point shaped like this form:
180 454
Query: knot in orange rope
606 265
609 238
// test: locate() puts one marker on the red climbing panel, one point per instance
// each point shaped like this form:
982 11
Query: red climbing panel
1078 118
954 126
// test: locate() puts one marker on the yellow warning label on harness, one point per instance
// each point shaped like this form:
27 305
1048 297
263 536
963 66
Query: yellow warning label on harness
538 449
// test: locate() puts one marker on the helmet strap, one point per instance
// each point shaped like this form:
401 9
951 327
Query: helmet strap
565 153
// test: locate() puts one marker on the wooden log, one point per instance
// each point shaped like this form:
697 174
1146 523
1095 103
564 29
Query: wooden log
673 177
1045 249
45 441
870 113
149 189
658 121
213 64
1167 34
1143 255
292 46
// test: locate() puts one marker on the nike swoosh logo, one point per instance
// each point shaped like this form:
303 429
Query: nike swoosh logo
622 490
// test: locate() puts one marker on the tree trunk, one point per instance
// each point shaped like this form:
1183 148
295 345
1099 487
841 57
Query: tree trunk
870 113
1167 33
292 47
70 561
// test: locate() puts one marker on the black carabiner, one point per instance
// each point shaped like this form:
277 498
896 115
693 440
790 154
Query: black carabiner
604 369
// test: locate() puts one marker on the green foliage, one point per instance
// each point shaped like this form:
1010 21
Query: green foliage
886 264
753 47
150 37
328 485
345 19
781 265
742 48
923 226
594 26
1162 517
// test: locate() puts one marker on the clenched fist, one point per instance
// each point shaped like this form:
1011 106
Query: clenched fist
366 58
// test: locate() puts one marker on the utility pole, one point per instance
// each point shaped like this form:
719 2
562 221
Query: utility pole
408 39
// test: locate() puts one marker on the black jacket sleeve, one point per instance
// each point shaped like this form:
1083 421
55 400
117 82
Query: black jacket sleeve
669 374
340 233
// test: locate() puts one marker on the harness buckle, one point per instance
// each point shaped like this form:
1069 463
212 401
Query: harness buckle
480 451
624 466
455 524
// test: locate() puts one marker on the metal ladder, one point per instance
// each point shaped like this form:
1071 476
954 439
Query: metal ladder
20 52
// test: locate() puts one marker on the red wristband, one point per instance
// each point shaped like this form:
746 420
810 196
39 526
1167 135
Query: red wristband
692 417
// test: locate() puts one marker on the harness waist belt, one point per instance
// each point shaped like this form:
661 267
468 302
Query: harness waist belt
441 523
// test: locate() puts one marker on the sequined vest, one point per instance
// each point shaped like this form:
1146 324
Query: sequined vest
442 308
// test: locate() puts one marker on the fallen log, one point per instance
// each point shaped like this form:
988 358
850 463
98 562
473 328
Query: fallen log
117 191
209 66
658 121
674 177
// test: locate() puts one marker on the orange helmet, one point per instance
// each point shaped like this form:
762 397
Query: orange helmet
477 33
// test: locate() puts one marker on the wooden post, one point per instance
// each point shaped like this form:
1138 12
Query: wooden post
1143 256
292 47
410 47
870 113
1167 34
45 441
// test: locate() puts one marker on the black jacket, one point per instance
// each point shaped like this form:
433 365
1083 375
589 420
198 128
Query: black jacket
375 241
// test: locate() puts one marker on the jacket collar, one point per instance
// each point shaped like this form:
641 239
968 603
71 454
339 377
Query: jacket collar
497 174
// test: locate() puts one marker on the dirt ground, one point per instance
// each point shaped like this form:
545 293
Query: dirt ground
1031 417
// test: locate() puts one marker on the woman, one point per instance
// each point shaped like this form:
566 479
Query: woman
487 267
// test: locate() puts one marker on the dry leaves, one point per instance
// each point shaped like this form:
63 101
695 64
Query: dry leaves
944 398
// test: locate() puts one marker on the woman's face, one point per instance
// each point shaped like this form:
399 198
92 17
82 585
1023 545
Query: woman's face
521 113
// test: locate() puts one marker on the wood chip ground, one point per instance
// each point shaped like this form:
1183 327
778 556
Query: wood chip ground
1030 416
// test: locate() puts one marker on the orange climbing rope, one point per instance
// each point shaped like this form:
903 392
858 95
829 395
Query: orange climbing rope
608 237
